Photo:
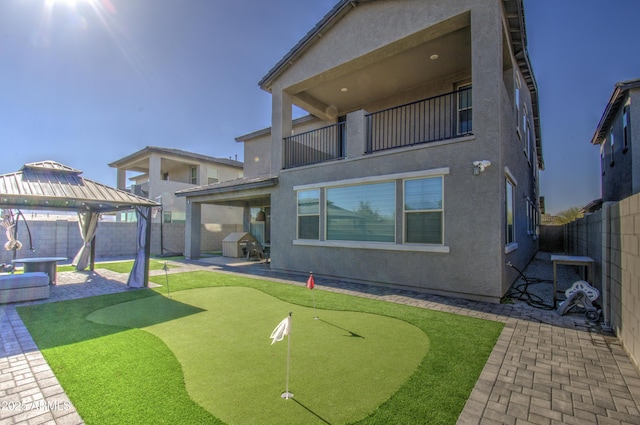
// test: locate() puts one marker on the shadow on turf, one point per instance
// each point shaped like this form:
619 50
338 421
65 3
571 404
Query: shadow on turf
311 411
351 334
49 323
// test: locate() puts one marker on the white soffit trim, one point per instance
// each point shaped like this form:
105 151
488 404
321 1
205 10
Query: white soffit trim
374 179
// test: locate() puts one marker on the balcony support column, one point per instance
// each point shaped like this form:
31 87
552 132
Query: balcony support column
192 230
281 119
122 178
356 134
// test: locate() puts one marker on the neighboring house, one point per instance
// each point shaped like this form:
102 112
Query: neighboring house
618 134
159 172
418 167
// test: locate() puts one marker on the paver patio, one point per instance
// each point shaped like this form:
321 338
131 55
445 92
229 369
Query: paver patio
544 369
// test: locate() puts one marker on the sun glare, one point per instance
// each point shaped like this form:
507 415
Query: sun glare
71 3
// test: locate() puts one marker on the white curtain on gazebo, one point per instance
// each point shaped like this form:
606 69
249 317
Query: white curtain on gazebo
88 223
138 278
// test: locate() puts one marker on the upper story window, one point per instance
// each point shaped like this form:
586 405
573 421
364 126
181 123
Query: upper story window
194 175
309 214
530 143
612 139
518 86
465 117
525 128
602 155
212 175
625 129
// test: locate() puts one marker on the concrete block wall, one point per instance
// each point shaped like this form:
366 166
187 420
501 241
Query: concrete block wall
61 238
584 237
616 229
629 273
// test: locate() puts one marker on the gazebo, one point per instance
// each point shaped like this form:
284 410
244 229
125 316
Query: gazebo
51 186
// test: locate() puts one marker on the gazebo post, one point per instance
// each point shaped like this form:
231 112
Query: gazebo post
147 248
92 263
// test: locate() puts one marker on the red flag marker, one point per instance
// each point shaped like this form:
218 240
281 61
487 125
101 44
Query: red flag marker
310 282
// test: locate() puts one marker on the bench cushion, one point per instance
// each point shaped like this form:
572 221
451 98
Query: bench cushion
25 280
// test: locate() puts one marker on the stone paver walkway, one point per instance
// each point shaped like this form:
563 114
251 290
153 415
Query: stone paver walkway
544 369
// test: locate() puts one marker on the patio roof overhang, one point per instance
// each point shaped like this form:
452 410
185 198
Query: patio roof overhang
245 191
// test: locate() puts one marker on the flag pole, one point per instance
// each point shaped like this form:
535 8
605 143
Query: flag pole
315 316
286 394
311 284
166 275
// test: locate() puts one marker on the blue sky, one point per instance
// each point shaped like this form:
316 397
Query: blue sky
86 82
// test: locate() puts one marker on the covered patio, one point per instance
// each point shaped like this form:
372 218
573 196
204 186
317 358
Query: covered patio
51 186
253 194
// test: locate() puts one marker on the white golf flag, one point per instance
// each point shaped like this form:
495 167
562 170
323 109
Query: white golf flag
281 330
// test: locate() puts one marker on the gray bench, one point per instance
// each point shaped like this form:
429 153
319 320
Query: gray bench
23 287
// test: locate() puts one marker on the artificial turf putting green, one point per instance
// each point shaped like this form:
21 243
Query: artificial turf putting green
115 374
344 365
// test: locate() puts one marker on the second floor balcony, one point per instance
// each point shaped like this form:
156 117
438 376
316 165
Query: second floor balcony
437 118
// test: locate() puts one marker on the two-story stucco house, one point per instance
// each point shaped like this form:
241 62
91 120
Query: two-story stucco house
418 165
157 173
618 134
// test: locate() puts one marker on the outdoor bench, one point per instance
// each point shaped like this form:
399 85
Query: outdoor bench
23 287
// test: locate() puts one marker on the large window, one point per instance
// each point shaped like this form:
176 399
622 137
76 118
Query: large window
509 209
309 214
397 212
423 211
362 212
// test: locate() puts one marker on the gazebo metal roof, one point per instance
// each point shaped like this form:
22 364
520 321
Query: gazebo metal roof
50 185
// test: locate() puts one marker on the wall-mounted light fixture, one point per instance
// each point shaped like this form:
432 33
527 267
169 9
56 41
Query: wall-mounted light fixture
479 166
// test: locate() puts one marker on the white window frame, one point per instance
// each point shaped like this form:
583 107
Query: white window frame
382 246
405 212
518 87
525 129
467 108
212 175
510 245
298 215
612 140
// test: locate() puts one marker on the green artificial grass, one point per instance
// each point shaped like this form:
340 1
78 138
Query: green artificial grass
117 374
240 384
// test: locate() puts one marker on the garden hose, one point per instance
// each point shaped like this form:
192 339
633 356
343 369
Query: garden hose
521 291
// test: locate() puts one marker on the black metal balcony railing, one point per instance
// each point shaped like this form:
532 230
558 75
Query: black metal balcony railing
315 146
429 120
